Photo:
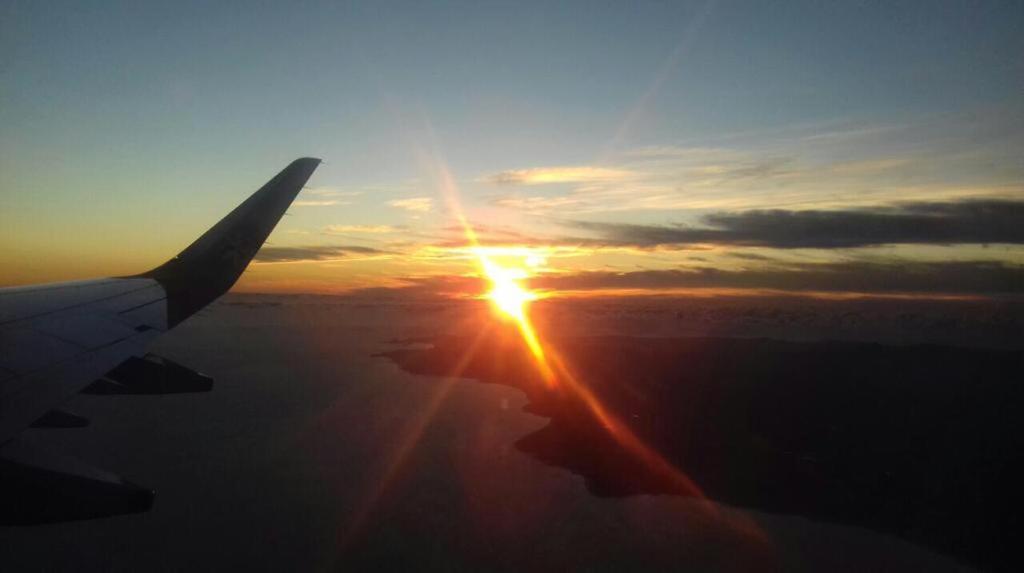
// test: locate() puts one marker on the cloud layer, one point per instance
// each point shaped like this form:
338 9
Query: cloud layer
319 202
827 165
360 229
414 204
568 174
968 277
942 223
311 253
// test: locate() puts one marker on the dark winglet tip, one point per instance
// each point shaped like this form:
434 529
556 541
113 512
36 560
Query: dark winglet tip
304 164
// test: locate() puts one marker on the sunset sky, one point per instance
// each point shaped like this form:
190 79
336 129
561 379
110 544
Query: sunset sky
645 147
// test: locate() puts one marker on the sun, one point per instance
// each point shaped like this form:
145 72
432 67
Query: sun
510 297
507 269
507 292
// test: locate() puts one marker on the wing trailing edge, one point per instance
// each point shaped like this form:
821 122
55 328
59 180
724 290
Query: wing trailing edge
41 486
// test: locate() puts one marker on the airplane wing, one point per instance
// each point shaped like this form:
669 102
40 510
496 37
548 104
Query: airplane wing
60 339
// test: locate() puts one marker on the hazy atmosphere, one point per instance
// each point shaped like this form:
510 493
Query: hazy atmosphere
807 146
646 286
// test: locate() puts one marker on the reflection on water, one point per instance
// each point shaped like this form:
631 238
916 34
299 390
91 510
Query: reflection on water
308 437
920 441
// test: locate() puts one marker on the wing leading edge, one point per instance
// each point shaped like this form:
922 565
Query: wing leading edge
212 264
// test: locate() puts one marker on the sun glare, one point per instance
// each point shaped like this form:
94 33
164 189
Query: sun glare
507 269
507 291
510 297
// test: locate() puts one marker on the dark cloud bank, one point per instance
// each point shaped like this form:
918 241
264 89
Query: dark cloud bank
985 278
939 223
968 277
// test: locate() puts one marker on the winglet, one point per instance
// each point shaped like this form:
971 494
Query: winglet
211 265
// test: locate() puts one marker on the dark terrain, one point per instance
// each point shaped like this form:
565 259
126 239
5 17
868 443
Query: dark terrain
315 453
921 441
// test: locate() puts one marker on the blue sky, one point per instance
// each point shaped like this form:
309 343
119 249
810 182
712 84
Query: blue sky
140 116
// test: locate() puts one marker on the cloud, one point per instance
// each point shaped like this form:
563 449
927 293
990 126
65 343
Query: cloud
269 254
454 237
962 277
331 192
897 277
319 202
869 166
414 204
837 165
742 168
941 223
750 256
357 229
565 174
535 203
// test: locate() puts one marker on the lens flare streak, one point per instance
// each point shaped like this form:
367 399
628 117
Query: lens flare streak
510 297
